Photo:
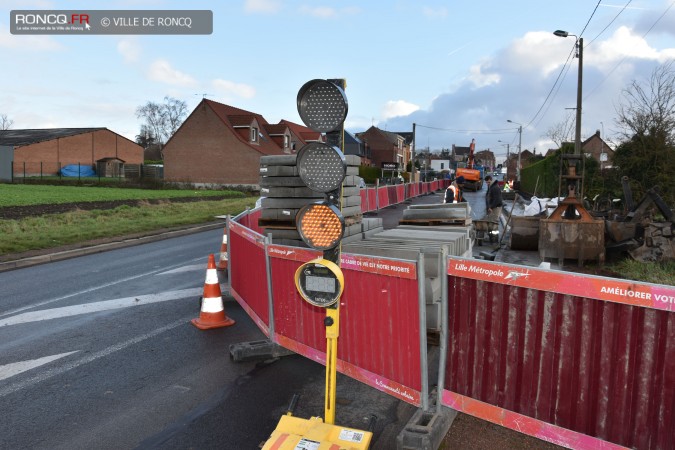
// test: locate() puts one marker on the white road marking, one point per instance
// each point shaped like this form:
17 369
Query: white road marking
9 370
191 268
85 291
87 308
46 374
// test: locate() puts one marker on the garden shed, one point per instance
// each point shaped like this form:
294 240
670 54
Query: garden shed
110 167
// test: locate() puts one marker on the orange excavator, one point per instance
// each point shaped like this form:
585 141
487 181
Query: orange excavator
472 173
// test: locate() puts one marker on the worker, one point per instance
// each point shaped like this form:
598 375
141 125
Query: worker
453 194
493 200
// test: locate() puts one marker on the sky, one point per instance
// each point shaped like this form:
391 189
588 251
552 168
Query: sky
458 70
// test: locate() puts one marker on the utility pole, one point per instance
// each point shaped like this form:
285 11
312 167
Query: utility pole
412 155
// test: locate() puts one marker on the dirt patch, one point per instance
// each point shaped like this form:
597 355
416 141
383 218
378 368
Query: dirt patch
21 212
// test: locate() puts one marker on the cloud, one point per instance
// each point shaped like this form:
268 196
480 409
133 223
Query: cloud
262 6
396 108
517 83
27 42
326 12
230 89
435 13
160 70
481 79
130 50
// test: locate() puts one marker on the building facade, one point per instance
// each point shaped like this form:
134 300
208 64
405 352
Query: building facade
46 151
220 144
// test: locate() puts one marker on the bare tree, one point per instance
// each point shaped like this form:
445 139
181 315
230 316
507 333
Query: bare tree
562 131
5 122
649 108
175 112
162 119
647 119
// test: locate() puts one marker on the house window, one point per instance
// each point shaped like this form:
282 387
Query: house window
286 140
254 134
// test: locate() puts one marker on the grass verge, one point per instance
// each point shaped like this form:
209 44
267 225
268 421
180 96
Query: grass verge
23 195
49 231
650 272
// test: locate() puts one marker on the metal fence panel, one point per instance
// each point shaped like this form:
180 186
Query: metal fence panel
248 277
379 340
588 354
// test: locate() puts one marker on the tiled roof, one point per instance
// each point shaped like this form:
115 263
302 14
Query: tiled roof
233 117
18 138
305 133
238 120
275 129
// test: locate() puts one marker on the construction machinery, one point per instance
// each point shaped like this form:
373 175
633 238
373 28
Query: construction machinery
472 173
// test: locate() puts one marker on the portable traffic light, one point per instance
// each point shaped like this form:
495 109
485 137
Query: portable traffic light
322 167
320 225
322 106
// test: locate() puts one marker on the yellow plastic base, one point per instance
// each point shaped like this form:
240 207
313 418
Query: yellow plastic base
294 433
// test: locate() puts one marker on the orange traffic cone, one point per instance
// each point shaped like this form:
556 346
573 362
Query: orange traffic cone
222 262
212 313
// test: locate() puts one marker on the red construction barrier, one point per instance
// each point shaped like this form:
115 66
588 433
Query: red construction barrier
400 193
372 199
383 197
364 200
247 274
571 359
379 311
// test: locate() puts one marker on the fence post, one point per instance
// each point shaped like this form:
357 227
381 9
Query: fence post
422 305
12 176
59 165
24 172
377 194
79 174
40 170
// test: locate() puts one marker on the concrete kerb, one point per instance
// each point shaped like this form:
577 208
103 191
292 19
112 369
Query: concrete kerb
122 243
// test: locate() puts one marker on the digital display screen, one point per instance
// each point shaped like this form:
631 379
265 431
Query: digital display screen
320 284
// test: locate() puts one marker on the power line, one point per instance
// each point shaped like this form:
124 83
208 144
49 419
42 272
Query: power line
495 131
562 70
610 23
625 57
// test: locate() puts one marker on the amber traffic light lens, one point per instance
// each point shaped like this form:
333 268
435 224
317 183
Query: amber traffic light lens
320 225
322 105
322 167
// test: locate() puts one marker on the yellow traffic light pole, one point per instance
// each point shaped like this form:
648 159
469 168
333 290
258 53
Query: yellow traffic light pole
332 333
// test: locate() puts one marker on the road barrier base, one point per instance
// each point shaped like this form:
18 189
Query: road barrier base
426 430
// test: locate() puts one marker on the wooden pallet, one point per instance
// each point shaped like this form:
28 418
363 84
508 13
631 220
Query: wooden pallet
431 222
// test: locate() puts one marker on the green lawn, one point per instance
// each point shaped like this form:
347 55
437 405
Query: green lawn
22 195
54 230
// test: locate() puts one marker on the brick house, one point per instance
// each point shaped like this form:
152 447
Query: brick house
221 144
45 151
385 146
595 147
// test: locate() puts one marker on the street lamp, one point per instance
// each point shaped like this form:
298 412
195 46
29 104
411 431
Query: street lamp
520 142
580 54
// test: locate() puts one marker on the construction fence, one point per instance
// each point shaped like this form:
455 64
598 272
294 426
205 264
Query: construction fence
577 360
54 171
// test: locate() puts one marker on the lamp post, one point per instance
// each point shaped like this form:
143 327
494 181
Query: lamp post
520 142
580 55
507 148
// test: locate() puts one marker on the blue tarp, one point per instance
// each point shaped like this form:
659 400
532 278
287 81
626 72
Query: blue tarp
71 171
